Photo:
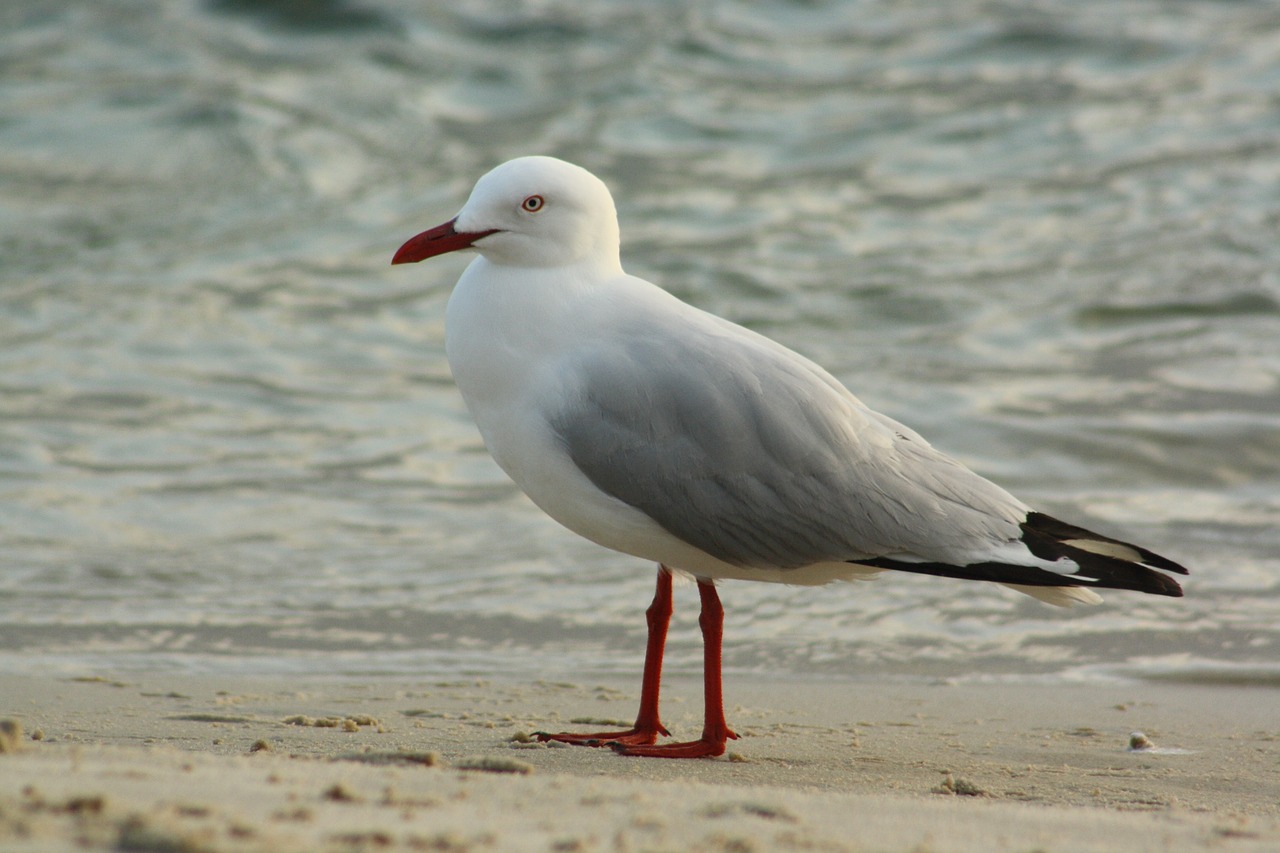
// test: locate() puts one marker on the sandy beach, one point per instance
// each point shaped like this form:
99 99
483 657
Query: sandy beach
179 763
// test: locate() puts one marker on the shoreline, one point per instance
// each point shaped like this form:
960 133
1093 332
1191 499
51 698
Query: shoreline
235 763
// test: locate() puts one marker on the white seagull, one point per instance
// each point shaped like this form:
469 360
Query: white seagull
659 430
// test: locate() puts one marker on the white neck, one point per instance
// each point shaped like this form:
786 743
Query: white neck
504 322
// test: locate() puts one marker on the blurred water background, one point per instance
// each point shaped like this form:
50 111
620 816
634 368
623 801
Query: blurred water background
1042 233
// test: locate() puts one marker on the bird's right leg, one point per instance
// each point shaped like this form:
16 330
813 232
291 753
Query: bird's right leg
648 726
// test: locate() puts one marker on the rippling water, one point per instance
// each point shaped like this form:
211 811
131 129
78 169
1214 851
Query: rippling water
1043 234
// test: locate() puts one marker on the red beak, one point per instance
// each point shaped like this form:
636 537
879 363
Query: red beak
437 241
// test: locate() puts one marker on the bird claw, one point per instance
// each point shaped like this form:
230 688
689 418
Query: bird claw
690 749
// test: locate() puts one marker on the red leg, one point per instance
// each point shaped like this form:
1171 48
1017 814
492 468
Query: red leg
715 731
648 726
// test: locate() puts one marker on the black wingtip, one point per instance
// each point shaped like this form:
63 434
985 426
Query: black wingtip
1051 539
1060 530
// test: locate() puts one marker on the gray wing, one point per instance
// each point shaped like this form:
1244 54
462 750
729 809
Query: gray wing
760 458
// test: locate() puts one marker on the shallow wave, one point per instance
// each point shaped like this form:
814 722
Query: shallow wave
1044 236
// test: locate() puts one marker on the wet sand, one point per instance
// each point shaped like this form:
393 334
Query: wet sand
226 763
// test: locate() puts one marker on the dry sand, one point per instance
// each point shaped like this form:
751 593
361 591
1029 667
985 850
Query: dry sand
160 763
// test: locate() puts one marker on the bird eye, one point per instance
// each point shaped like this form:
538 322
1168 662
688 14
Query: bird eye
533 203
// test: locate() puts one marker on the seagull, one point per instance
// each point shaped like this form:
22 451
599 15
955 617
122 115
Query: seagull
659 430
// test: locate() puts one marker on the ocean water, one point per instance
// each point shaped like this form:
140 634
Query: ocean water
1044 234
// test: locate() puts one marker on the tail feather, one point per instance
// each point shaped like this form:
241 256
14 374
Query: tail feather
1101 562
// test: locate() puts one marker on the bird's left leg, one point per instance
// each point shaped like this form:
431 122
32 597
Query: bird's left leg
648 726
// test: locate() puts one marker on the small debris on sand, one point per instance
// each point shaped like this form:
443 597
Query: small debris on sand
959 787
213 718
10 735
768 811
1138 742
416 759
490 764
340 793
350 723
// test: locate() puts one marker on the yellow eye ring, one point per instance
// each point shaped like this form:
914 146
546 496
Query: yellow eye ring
532 204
